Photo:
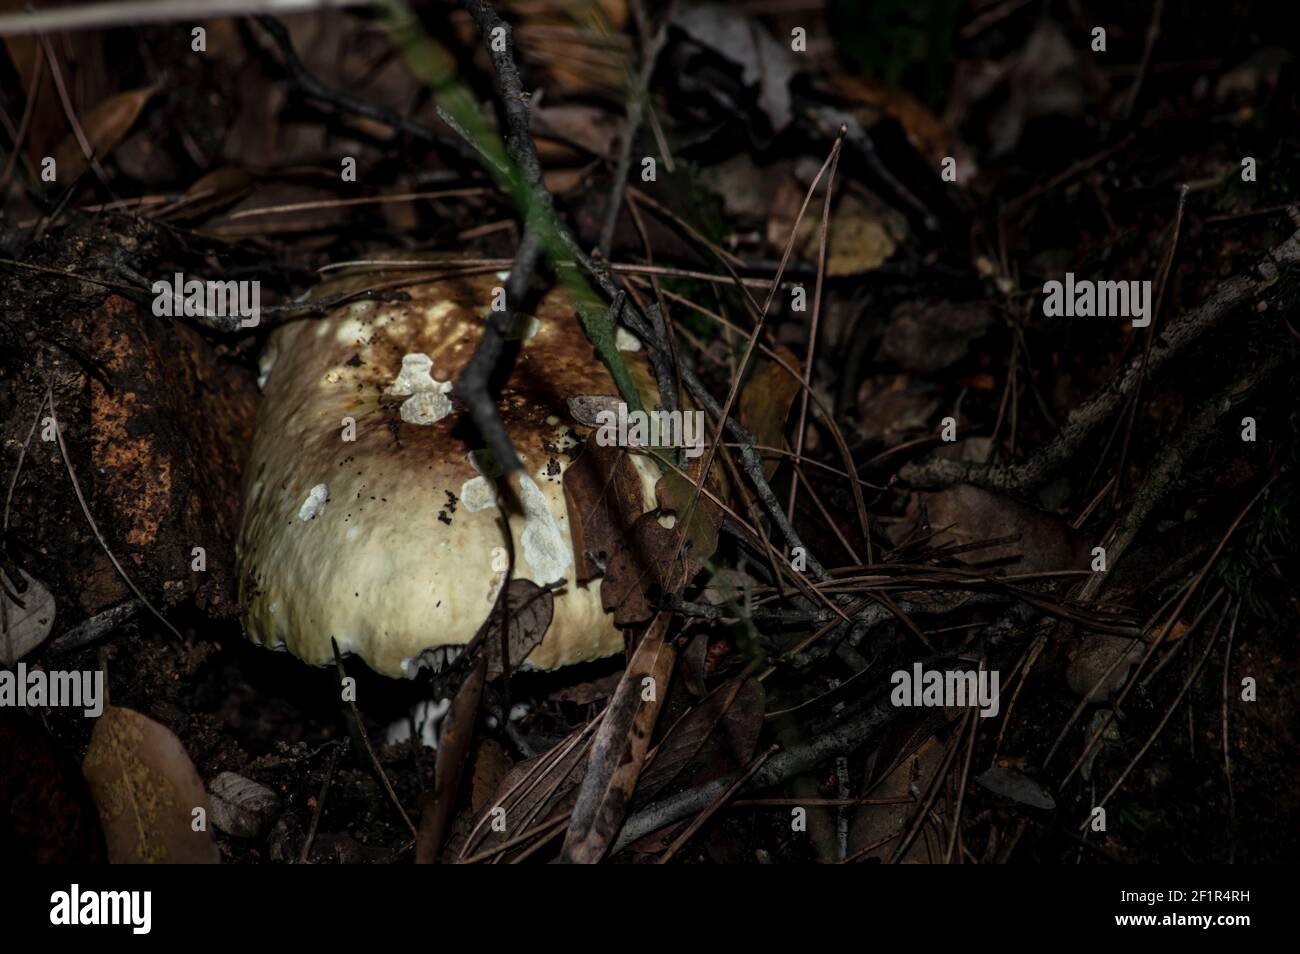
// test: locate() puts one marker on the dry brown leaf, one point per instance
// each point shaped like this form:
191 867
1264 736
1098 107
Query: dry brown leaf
529 612
587 127
714 739
147 792
883 825
929 135
215 191
603 495
491 763
619 749
965 514
1099 665
453 751
858 237
1016 785
700 517
104 127
765 404
932 335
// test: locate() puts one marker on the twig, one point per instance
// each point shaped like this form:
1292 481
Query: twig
1173 707
812 345
364 738
1085 419
1153 31
103 16
1227 758
1164 633
307 83
638 91
1203 427
98 626
844 737
20 134
1161 282
18 469
725 413
699 820
961 786
57 75
473 386
348 203
320 804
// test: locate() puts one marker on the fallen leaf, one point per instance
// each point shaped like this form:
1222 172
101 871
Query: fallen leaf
765 404
763 62
699 517
104 126
215 191
604 497
584 126
242 807
884 825
491 764
453 751
26 616
929 336
529 612
1100 663
965 514
587 692
619 749
586 408
1017 786
714 739
147 792
891 407
929 135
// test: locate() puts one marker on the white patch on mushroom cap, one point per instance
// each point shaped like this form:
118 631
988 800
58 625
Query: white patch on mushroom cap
426 398
414 376
350 331
427 407
316 498
440 310
478 493
546 547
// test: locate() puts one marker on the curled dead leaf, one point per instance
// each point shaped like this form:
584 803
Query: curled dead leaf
151 801
104 126
26 616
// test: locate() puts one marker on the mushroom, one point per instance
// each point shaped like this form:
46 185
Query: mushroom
370 510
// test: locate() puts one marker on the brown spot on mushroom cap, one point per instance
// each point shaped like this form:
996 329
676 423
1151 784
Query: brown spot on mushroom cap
391 577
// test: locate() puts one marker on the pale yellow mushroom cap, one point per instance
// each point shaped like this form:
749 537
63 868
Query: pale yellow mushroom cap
390 543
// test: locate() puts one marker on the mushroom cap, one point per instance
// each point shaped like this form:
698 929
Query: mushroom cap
390 542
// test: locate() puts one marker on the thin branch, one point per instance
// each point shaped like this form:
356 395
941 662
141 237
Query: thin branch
1085 419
